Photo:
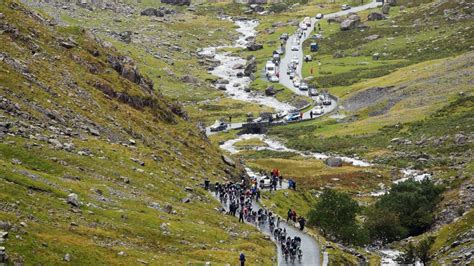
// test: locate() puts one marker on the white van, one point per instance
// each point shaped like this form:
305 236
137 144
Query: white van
270 69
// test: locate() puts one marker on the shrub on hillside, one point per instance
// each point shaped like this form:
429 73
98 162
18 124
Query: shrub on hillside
406 211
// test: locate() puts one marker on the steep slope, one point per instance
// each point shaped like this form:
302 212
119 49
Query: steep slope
96 167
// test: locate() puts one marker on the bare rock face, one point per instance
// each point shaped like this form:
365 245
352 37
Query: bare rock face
254 46
73 199
125 66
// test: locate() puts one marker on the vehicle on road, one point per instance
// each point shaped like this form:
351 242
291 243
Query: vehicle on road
326 99
317 36
276 58
319 16
312 92
295 47
307 21
284 36
303 26
296 82
318 110
295 60
280 50
265 182
314 47
218 126
303 86
274 78
345 7
270 69
295 116
281 114
292 75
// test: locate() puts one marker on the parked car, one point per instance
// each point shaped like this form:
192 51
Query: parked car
274 78
345 7
280 115
295 47
303 86
218 126
295 116
292 75
318 110
280 50
303 26
326 99
295 60
296 82
312 92
284 36
308 58
319 16
265 182
270 69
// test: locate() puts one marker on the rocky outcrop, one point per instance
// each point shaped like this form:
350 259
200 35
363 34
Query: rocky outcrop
386 9
125 66
177 2
227 160
270 91
160 12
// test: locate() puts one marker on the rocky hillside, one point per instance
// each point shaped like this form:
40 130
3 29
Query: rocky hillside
96 167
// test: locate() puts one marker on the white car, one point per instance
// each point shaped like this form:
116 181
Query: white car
273 78
303 86
319 16
281 114
295 60
345 7
318 110
326 100
265 182
218 126
303 26
295 47
296 82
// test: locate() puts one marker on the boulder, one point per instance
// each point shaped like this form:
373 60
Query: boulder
168 208
152 12
372 37
270 91
375 16
333 162
190 79
350 23
228 160
177 2
460 139
250 67
254 46
385 9
73 199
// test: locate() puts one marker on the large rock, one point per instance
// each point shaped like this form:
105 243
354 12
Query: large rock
254 46
350 23
270 91
385 9
375 16
250 67
152 12
228 160
333 162
177 2
73 199
125 66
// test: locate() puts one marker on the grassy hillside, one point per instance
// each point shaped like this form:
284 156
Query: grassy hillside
79 119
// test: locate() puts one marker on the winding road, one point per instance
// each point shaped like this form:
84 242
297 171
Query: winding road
310 247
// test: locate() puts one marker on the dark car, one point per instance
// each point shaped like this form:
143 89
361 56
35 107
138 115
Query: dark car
219 126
